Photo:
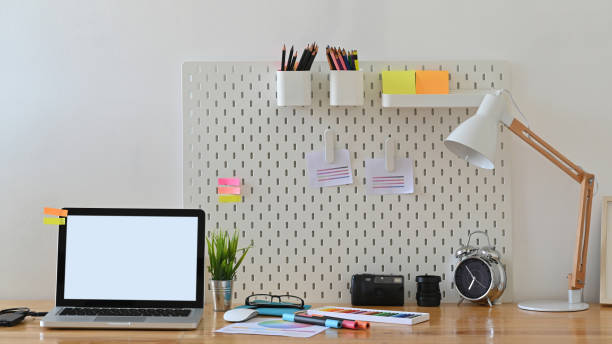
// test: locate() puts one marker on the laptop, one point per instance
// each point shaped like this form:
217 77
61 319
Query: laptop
129 269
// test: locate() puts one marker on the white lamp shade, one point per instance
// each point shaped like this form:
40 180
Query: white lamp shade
475 140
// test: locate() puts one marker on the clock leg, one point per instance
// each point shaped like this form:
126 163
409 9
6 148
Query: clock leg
489 301
460 301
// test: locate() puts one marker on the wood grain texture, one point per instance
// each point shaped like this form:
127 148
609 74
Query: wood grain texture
577 278
449 323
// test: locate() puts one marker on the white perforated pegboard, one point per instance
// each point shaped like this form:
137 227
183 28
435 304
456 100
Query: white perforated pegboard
308 242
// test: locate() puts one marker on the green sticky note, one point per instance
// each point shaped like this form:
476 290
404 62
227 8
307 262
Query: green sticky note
399 82
230 198
54 220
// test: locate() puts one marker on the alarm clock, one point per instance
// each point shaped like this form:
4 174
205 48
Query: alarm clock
480 275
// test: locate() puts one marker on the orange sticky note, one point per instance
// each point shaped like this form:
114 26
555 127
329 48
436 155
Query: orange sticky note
228 190
431 82
56 212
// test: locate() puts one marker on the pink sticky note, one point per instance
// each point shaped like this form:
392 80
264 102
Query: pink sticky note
229 181
228 190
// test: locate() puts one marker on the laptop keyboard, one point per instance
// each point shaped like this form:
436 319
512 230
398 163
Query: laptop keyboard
147 312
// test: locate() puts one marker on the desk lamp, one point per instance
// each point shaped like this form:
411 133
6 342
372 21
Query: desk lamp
475 140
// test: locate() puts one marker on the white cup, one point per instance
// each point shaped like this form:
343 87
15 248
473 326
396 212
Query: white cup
345 88
293 88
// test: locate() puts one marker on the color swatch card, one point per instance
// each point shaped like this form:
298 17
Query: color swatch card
321 174
373 315
273 327
379 181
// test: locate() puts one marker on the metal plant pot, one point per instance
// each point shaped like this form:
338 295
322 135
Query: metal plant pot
222 295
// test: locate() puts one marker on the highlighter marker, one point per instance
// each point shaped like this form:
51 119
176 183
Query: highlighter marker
346 323
311 320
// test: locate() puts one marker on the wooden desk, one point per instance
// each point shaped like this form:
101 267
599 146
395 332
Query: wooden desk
448 324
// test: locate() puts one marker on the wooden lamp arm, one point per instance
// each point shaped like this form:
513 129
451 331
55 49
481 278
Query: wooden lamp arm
586 180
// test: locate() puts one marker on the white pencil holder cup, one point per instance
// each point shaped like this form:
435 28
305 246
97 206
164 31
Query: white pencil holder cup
345 88
293 88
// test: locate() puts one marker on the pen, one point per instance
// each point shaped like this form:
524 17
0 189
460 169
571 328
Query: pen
346 323
313 321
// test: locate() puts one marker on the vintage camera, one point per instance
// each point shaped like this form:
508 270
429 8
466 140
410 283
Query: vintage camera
377 290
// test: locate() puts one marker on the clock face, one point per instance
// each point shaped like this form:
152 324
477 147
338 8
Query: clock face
473 278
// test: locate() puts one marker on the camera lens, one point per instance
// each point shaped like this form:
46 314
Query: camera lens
428 290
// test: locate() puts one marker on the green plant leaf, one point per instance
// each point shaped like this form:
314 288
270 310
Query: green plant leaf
222 253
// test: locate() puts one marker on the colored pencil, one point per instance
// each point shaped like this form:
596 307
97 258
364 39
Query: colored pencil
346 63
329 60
356 59
341 59
332 53
349 58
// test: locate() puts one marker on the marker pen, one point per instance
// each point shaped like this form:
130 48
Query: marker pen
312 321
346 323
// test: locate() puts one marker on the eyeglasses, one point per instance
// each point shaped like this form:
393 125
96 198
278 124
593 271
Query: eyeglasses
274 301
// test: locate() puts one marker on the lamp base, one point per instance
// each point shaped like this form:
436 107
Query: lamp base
553 306
573 304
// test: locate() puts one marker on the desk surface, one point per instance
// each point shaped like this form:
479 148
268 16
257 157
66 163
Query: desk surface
448 324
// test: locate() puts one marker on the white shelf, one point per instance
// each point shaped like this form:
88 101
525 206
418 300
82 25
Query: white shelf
453 99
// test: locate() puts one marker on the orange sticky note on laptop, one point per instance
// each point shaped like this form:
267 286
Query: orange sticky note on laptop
431 82
54 211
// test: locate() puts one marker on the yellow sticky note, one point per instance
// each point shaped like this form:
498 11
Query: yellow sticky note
398 82
54 220
432 82
229 198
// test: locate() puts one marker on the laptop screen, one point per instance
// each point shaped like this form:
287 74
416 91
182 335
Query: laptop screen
135 258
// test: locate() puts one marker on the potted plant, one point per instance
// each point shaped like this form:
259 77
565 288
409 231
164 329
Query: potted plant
224 258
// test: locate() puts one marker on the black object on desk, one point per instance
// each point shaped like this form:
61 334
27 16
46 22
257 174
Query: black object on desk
428 290
377 290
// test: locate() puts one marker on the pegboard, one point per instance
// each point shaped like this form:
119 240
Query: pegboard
309 241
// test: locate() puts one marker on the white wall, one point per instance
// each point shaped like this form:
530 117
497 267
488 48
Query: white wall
90 102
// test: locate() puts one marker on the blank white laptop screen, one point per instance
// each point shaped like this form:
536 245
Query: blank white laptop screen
131 258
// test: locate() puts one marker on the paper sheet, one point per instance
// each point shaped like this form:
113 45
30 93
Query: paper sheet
273 327
381 182
321 174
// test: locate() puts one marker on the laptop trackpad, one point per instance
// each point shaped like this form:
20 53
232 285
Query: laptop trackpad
106 318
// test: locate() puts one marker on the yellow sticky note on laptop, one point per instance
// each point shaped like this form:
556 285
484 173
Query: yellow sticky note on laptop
399 82
54 220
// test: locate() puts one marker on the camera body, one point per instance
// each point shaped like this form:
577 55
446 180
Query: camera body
377 290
